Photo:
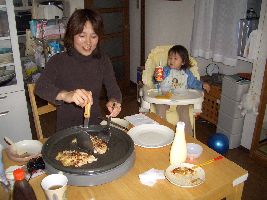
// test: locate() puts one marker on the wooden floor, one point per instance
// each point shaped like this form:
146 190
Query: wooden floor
255 186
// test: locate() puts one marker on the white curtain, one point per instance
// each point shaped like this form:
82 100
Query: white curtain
215 29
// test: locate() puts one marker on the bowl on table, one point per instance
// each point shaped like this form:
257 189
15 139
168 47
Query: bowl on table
193 150
31 147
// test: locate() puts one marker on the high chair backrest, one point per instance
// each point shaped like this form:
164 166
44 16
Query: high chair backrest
38 111
157 56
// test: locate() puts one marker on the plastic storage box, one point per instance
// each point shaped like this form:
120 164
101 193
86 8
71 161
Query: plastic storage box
230 120
230 107
231 125
234 140
234 87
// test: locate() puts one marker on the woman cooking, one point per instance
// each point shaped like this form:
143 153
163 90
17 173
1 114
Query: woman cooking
74 78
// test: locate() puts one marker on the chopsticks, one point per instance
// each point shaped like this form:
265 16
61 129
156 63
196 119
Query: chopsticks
208 162
118 125
114 123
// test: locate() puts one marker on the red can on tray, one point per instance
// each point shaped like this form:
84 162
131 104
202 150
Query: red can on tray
159 73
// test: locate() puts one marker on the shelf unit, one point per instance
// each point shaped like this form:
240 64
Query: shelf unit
244 59
23 8
211 104
14 119
230 119
5 38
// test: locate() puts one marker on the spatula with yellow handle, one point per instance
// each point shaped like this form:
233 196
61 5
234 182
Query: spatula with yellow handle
84 141
86 114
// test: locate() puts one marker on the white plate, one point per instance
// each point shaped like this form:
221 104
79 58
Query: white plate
185 181
151 135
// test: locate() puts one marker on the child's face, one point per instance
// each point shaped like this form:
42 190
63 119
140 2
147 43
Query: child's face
175 61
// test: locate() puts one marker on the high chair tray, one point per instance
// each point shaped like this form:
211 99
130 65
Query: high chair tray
186 97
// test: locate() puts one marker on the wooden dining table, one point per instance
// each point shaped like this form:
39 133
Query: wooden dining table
224 178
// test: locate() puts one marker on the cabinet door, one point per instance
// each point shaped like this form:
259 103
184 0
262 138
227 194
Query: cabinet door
10 66
115 14
14 119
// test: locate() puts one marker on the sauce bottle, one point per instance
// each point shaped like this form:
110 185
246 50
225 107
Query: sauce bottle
178 151
22 189
159 73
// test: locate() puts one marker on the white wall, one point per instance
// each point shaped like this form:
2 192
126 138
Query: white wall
135 37
168 22
70 6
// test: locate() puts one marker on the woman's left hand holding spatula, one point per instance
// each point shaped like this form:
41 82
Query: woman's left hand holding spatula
114 108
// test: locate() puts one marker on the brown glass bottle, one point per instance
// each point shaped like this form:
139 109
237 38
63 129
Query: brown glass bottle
22 189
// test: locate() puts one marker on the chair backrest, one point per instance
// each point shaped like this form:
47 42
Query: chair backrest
159 55
38 111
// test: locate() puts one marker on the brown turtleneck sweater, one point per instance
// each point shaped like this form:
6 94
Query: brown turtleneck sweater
70 72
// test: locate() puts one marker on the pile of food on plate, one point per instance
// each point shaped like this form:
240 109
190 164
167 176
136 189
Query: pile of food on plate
187 176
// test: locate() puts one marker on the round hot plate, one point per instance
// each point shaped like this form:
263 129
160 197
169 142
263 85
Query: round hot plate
114 163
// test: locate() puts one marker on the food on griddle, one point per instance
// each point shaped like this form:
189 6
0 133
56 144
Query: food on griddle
74 158
99 145
183 171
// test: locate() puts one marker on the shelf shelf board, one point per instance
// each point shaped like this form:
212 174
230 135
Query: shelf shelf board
3 7
21 8
244 59
7 64
5 38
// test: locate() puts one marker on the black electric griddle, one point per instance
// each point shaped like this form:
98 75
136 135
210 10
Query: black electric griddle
114 163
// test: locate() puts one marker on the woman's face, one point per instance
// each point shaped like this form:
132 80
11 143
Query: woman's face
86 41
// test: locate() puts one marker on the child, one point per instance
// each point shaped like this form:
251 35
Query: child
176 78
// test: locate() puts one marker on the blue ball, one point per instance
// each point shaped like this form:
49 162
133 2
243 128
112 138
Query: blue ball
219 143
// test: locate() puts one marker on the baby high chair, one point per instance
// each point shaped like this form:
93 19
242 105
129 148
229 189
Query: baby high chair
159 55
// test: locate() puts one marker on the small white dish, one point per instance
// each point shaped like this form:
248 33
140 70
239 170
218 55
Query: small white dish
193 150
32 148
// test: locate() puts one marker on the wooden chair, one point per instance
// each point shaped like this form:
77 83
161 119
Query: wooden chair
38 111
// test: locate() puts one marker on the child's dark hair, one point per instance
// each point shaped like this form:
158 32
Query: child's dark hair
182 51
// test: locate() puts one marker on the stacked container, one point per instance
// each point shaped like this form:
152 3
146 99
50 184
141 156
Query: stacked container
230 120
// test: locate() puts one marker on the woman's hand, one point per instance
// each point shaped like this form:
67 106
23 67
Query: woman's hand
80 97
114 108
206 87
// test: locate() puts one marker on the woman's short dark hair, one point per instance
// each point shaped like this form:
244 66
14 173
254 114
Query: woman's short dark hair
183 53
76 25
